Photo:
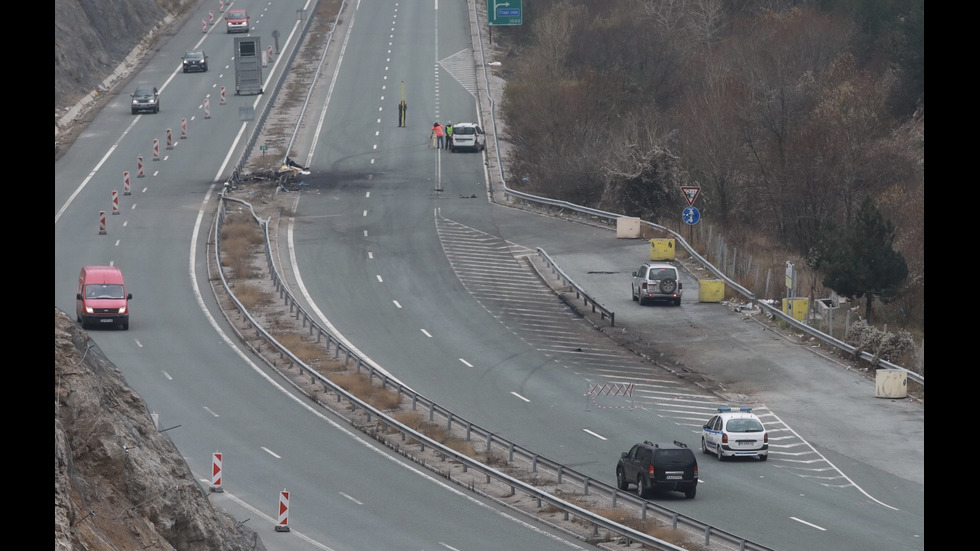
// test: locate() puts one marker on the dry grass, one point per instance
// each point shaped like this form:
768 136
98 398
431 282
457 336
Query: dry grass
360 385
241 226
460 445
411 419
650 526
308 352
494 458
251 296
240 234
330 366
415 421
384 399
357 384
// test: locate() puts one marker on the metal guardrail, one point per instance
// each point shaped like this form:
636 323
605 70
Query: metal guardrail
579 292
610 219
473 433
491 440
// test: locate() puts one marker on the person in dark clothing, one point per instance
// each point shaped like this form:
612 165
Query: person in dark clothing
294 164
402 111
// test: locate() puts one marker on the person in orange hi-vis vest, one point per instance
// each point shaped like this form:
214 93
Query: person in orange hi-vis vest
437 135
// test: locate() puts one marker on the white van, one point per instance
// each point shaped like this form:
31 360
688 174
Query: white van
467 135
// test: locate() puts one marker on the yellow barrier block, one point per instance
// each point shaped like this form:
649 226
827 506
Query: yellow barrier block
711 290
662 249
796 308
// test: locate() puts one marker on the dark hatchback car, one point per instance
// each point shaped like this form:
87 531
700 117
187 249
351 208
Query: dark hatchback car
146 98
195 61
658 466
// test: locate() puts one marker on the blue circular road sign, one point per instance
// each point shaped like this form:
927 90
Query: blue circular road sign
691 215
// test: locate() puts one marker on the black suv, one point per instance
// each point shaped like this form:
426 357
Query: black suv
146 98
195 60
660 466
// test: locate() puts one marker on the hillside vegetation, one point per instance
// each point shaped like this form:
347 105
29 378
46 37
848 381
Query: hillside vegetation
786 114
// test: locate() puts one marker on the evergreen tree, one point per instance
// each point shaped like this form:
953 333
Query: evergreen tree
863 262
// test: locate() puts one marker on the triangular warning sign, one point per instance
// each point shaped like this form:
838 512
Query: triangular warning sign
691 193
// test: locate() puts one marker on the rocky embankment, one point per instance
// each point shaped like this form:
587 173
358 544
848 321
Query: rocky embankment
119 483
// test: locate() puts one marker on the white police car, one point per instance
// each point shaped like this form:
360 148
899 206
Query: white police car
735 433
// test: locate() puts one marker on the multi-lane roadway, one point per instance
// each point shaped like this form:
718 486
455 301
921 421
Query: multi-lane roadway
397 247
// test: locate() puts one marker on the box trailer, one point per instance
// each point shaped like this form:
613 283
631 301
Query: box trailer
248 66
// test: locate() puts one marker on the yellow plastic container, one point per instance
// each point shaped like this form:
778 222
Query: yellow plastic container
796 308
711 290
662 249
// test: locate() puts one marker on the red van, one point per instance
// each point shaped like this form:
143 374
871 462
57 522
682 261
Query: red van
237 21
101 298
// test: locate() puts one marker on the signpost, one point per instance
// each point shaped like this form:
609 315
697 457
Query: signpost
790 279
691 214
691 193
503 13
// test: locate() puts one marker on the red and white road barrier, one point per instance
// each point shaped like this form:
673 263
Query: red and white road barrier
126 184
216 472
207 108
270 53
283 525
139 166
205 22
221 6
612 389
211 17
170 139
101 222
183 129
115 202
222 95
597 391
156 149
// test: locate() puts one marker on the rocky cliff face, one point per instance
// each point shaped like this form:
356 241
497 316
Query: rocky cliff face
119 482
97 43
92 37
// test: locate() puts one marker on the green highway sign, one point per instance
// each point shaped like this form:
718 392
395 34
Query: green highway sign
505 12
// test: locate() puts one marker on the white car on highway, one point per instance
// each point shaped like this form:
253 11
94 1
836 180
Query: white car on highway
735 433
467 135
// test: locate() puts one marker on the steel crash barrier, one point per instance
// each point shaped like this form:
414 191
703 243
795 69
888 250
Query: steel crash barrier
474 433
579 291
609 219
515 454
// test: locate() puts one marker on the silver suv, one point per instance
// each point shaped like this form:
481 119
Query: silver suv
657 281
